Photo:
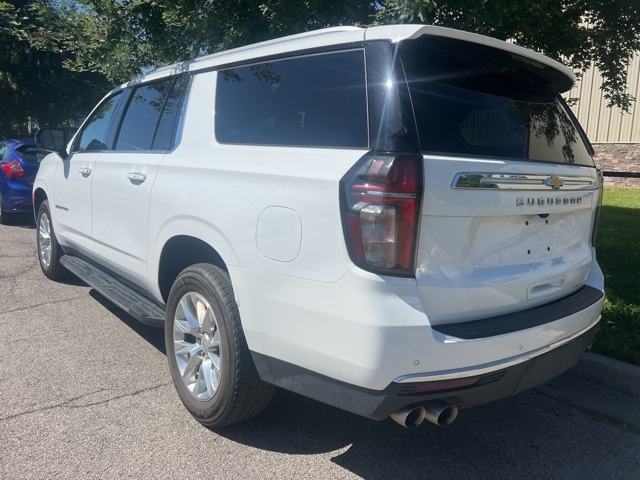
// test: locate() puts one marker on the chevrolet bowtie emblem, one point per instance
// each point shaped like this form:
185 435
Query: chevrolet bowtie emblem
554 182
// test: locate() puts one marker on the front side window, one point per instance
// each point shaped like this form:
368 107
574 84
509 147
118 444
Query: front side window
151 115
317 100
95 131
479 101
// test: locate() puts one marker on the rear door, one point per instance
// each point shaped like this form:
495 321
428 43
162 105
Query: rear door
510 188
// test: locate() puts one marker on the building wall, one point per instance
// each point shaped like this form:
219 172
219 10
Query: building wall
615 135
618 157
603 124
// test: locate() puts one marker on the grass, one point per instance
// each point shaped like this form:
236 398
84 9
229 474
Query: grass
618 250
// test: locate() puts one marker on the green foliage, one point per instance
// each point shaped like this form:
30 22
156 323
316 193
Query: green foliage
576 32
105 42
618 248
34 84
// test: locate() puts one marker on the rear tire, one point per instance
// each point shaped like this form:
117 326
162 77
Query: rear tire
49 251
209 359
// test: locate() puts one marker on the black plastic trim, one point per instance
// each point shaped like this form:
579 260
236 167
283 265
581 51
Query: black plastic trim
533 317
379 404
117 292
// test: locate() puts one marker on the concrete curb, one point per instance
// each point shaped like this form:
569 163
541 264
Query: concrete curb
619 377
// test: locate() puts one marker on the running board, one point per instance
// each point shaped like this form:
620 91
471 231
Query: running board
136 305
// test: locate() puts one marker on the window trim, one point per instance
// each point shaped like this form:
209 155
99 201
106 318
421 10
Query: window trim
116 115
174 137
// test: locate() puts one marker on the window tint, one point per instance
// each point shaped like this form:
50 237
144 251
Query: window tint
474 100
317 100
151 115
93 136
173 111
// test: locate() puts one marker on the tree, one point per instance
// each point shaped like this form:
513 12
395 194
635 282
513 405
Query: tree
34 83
575 32
59 56
122 37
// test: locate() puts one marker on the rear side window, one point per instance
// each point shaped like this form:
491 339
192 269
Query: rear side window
474 100
151 115
317 100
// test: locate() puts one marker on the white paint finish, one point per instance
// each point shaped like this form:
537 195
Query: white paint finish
300 298
121 211
227 187
371 341
480 254
279 233
70 200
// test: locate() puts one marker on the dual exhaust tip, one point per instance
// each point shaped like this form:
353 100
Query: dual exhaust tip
438 412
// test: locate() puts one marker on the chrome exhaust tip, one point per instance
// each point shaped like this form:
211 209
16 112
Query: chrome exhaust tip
409 417
440 413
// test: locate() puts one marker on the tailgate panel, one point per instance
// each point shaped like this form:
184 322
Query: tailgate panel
491 251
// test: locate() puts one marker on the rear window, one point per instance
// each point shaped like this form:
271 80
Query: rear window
474 100
31 153
317 100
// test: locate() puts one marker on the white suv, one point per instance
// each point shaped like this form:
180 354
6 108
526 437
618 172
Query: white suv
397 221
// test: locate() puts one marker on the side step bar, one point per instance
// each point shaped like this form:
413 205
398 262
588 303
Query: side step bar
127 299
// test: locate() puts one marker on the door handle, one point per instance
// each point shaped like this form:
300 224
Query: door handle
136 178
85 172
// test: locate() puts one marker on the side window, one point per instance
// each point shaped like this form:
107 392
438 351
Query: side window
151 115
95 131
4 151
318 100
173 111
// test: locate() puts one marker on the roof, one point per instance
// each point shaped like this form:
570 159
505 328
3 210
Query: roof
346 35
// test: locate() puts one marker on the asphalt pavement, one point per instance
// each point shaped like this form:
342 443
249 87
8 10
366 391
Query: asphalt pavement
85 392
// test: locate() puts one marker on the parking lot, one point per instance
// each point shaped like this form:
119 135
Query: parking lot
85 393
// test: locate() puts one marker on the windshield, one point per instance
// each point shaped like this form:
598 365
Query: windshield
475 100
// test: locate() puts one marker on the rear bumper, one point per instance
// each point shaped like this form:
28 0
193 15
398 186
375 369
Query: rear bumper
463 388
16 197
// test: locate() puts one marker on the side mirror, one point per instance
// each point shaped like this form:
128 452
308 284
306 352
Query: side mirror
54 140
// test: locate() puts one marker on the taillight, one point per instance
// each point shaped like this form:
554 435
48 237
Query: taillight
380 200
13 169
596 217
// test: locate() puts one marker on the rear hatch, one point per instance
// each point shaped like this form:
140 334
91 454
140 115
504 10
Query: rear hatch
510 188
29 156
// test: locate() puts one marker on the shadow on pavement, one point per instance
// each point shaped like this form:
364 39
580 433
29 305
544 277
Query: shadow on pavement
510 438
23 220
530 435
154 336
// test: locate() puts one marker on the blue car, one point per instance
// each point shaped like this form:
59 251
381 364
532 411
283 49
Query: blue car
19 162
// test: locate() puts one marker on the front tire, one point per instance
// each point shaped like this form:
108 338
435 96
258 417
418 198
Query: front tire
49 251
208 356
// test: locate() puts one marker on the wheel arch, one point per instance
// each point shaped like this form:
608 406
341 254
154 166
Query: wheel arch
180 252
39 196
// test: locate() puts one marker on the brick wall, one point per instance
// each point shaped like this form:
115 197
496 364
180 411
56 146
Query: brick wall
618 157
